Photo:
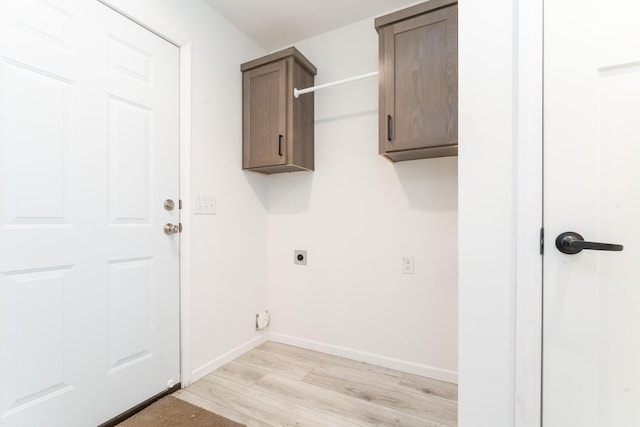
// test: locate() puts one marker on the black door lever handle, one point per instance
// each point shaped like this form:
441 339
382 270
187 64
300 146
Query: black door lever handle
571 243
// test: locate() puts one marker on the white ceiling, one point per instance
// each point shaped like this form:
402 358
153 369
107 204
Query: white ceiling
278 23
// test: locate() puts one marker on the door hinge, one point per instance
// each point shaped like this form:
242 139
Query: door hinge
541 241
180 204
180 227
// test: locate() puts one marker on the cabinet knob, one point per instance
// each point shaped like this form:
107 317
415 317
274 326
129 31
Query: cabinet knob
280 145
389 124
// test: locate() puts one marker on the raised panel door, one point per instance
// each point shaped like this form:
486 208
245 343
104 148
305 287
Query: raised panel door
89 319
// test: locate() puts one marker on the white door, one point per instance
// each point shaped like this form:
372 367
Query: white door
591 344
89 320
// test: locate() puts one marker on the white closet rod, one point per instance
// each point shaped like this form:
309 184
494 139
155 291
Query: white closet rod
298 92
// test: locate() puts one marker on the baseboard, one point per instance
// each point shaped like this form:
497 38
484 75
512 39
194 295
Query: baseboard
374 359
218 362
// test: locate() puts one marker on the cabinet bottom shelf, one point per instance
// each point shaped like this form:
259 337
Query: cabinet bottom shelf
278 169
422 153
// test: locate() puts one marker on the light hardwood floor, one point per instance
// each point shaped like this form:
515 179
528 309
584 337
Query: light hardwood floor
280 385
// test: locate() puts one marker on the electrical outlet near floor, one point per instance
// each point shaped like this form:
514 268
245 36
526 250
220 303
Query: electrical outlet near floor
408 264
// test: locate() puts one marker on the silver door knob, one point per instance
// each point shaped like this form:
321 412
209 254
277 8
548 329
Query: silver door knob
172 228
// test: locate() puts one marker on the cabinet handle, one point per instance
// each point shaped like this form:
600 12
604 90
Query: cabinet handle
279 145
389 123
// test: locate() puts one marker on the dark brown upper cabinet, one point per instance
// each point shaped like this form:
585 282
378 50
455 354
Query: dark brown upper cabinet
418 93
277 129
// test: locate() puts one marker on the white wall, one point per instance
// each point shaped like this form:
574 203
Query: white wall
357 215
229 270
487 111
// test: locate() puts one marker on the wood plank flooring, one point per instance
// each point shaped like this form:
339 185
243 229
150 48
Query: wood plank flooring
280 385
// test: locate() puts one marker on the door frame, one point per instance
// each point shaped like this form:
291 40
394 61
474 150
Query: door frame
184 46
528 77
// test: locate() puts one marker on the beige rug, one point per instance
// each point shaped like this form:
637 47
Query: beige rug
173 412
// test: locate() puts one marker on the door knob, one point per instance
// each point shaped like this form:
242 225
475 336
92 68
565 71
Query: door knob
571 243
172 228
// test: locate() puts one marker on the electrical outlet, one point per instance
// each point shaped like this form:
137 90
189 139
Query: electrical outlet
408 264
204 204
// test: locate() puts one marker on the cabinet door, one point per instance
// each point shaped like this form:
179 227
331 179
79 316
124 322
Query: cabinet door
264 116
419 85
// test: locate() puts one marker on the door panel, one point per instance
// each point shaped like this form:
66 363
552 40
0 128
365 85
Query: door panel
88 153
591 302
36 164
40 369
129 127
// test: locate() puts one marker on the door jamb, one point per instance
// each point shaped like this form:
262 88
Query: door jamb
185 48
528 116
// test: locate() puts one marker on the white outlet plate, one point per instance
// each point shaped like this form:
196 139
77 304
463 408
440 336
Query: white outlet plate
408 263
204 204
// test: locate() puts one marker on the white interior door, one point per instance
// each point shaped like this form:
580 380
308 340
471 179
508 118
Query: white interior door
89 291
591 348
